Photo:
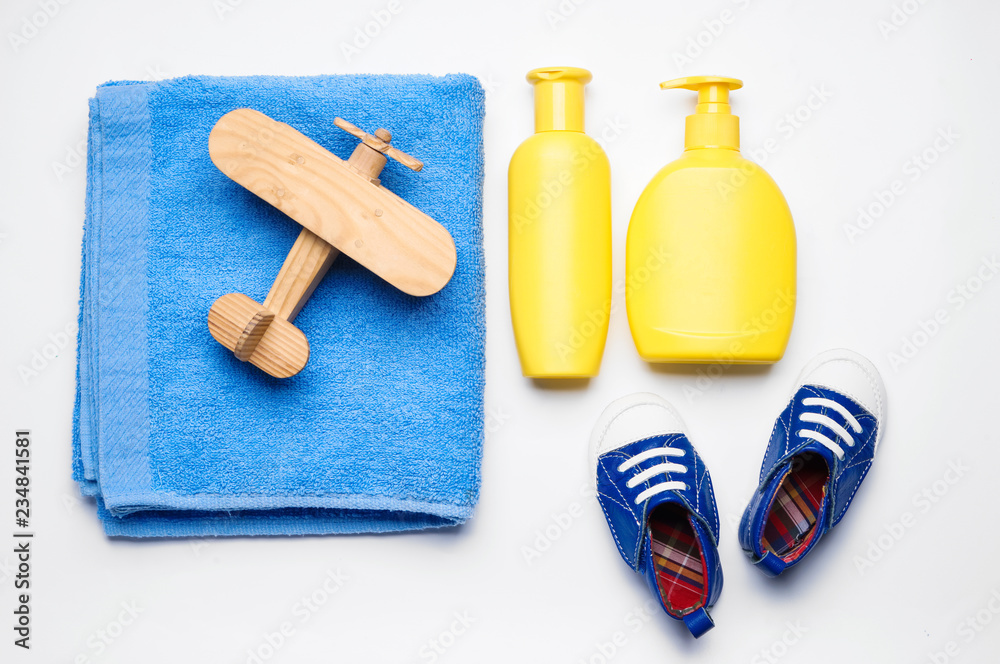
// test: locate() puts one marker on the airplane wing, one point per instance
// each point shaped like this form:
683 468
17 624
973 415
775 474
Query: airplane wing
375 227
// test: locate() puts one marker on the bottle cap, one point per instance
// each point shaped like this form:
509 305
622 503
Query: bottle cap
559 97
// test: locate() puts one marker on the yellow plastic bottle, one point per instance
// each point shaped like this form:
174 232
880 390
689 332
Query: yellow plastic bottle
559 234
710 257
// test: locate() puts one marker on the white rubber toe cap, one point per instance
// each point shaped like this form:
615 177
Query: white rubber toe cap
632 418
849 373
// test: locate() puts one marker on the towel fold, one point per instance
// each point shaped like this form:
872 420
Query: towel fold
173 436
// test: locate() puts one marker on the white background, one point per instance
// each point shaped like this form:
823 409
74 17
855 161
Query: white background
887 97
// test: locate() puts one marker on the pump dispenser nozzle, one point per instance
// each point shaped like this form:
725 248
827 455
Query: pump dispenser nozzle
713 125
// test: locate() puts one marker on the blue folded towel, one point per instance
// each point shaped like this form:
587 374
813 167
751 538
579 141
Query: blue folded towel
383 429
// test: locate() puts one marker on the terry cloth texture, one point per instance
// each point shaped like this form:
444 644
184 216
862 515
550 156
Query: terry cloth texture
173 436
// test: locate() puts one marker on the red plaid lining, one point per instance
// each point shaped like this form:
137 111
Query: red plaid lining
677 560
790 523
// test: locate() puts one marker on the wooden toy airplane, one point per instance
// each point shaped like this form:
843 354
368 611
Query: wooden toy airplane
342 208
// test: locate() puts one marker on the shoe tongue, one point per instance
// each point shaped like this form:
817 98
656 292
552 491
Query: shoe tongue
667 497
672 497
821 450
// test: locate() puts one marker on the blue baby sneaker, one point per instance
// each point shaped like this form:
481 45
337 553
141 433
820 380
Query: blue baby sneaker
821 448
657 496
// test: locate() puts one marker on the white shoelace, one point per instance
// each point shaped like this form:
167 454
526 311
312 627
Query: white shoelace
652 471
840 432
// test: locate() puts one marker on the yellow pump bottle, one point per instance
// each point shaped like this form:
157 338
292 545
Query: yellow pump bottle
559 234
710 256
